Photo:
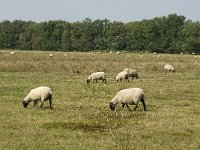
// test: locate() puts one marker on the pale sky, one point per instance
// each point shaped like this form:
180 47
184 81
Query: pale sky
114 10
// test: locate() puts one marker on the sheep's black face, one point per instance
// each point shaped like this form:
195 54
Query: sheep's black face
25 104
112 107
88 81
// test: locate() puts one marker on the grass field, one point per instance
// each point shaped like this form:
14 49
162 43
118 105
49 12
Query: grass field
81 118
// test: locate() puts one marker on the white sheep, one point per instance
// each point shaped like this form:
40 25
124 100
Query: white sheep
12 53
50 55
130 96
131 73
169 68
97 76
38 94
117 52
122 76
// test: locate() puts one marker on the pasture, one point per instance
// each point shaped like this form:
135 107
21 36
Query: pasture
81 118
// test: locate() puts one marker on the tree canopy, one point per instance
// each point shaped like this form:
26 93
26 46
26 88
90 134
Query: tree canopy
167 34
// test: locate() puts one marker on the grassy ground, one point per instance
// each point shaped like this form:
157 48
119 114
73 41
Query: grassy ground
81 118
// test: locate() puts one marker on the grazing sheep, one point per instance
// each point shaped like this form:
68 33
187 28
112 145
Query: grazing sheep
50 55
122 76
130 96
131 73
12 53
117 52
97 76
169 68
38 94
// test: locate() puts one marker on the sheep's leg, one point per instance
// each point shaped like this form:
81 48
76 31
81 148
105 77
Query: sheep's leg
123 106
128 80
35 103
136 105
128 107
142 100
50 101
42 102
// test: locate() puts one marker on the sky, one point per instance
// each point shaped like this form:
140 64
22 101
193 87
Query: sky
113 10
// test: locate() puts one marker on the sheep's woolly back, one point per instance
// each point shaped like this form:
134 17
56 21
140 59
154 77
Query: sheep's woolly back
122 75
131 72
97 75
37 93
128 96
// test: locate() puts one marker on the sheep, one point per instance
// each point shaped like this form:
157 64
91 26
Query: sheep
50 55
117 52
38 94
128 96
131 73
122 76
169 68
97 76
12 53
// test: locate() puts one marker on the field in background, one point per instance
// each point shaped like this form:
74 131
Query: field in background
81 118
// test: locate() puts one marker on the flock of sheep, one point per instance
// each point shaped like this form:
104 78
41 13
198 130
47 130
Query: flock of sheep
130 96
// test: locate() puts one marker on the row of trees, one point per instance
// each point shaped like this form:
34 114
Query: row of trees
168 34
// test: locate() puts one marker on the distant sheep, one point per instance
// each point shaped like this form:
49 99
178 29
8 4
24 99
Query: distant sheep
122 76
169 68
130 96
117 52
38 94
131 73
12 53
50 55
97 76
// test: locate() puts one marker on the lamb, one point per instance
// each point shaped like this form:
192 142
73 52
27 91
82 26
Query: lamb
122 76
97 76
131 73
128 96
38 94
169 68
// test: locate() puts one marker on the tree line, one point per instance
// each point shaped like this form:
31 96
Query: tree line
167 34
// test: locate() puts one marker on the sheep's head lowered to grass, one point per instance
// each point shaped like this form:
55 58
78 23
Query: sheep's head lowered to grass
25 104
112 106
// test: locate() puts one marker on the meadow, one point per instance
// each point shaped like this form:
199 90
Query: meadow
81 118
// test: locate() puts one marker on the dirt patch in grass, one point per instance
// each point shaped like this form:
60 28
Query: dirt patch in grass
86 127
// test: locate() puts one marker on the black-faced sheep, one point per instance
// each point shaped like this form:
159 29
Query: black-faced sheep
122 76
130 96
97 76
131 73
38 94
169 68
